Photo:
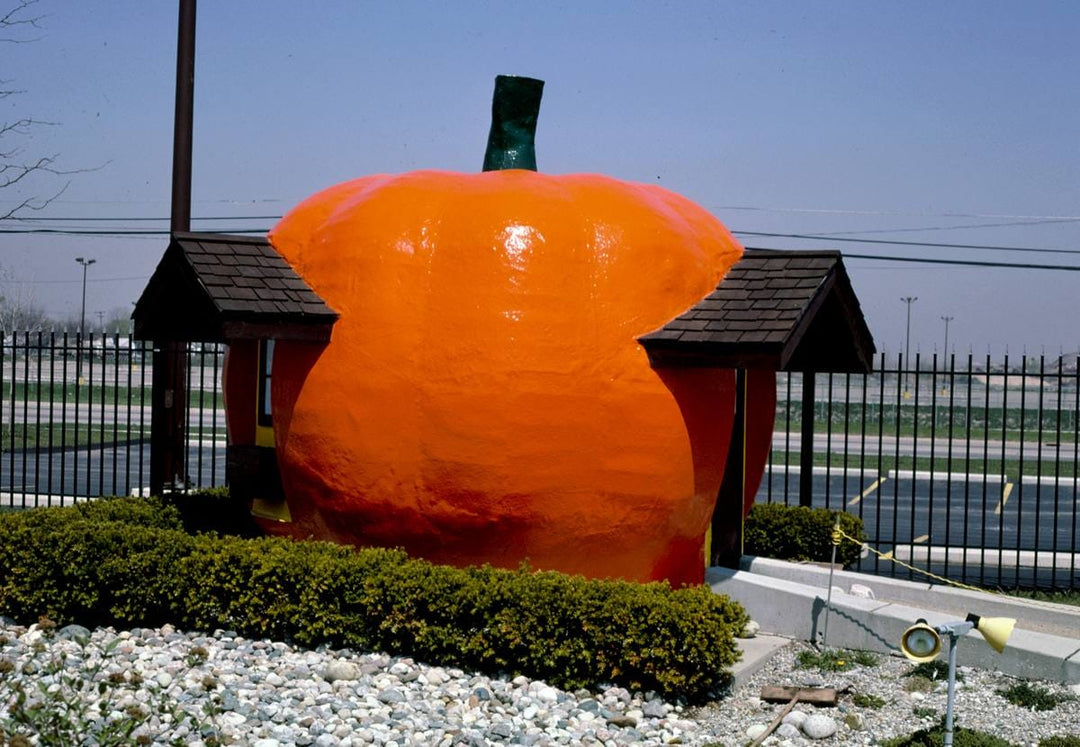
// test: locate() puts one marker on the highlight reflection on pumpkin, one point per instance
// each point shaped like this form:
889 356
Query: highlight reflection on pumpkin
483 397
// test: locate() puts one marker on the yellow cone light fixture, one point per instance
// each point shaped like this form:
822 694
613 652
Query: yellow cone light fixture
996 630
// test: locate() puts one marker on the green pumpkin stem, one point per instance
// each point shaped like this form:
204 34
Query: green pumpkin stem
514 109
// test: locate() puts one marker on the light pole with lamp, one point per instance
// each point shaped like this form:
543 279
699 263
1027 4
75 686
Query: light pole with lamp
907 338
82 315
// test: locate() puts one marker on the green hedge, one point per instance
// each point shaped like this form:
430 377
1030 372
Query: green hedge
773 530
127 562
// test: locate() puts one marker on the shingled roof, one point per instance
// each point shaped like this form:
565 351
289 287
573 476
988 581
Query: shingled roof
215 287
782 310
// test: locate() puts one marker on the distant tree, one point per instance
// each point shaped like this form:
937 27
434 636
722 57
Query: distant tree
18 311
118 321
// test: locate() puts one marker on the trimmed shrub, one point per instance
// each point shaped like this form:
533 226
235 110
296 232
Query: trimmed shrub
773 530
213 510
573 632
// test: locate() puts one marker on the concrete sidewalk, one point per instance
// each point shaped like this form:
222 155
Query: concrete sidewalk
788 600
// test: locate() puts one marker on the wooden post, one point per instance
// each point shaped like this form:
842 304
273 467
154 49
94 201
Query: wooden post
168 412
727 519
806 445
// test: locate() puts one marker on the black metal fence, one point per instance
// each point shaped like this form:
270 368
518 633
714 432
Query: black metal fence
76 417
963 466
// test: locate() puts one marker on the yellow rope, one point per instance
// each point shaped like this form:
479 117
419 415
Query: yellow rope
838 532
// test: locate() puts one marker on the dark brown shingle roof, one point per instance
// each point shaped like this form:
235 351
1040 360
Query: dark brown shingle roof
214 287
789 310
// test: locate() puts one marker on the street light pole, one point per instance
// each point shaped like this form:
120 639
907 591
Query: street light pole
82 315
907 339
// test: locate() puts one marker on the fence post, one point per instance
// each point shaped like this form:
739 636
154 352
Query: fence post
806 443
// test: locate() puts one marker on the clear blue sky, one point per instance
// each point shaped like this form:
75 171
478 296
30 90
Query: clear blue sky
892 121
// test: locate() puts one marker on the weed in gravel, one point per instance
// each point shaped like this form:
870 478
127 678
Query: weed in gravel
1035 697
918 684
868 700
932 670
831 660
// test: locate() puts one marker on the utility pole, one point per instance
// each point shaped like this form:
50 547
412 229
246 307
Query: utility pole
907 340
168 420
947 319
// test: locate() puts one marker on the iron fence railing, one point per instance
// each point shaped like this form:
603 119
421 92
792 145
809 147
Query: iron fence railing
76 417
963 466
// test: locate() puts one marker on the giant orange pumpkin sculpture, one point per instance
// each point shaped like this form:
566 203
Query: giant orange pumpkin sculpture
483 397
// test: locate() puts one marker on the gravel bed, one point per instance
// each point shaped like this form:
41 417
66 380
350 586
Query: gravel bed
197 689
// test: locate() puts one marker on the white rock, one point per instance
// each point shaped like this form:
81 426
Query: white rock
795 718
862 591
755 730
547 694
787 731
818 726
750 630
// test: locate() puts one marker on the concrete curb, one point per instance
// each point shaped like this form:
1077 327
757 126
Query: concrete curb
790 608
1044 617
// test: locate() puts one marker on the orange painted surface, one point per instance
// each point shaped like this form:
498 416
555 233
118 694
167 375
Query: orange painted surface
483 397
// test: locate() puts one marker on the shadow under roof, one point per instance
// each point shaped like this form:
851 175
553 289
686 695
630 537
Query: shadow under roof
780 310
215 287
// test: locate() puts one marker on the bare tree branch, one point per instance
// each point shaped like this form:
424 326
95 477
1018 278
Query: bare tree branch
13 19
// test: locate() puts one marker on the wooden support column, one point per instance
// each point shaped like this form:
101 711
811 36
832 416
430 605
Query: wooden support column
806 445
727 520
168 413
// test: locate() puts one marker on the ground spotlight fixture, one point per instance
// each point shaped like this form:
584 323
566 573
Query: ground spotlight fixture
922 643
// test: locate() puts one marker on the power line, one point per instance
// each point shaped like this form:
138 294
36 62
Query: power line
961 262
983 247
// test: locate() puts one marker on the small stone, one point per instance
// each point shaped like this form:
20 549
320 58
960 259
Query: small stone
750 630
755 730
164 679
795 718
818 726
547 694
392 695
622 722
501 731
787 731
654 709
854 721
341 670
76 633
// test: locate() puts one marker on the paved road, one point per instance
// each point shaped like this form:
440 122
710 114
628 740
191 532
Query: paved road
939 448
983 532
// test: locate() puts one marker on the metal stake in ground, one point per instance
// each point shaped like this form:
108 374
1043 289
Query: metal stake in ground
836 538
